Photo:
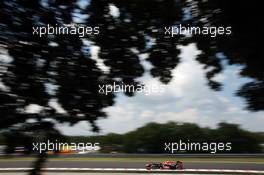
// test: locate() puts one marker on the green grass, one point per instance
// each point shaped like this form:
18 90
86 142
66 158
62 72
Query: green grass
147 159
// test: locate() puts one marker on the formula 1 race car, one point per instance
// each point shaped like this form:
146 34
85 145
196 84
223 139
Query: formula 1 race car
169 165
153 166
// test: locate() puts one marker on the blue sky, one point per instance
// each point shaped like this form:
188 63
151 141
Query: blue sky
187 98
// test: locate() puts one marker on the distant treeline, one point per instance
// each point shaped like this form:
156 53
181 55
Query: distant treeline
151 138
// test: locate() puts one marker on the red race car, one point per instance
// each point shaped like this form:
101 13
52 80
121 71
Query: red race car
170 165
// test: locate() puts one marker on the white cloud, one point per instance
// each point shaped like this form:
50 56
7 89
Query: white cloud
188 115
81 128
146 114
122 118
33 109
187 98
4 56
114 11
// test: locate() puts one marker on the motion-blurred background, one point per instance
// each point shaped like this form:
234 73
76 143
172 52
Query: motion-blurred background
214 86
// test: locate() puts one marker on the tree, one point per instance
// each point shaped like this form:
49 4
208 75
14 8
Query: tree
242 141
242 48
152 137
56 68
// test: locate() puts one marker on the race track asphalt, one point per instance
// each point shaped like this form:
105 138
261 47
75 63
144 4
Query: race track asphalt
109 164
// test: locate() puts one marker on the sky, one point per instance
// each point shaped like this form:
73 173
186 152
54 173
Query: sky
187 98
